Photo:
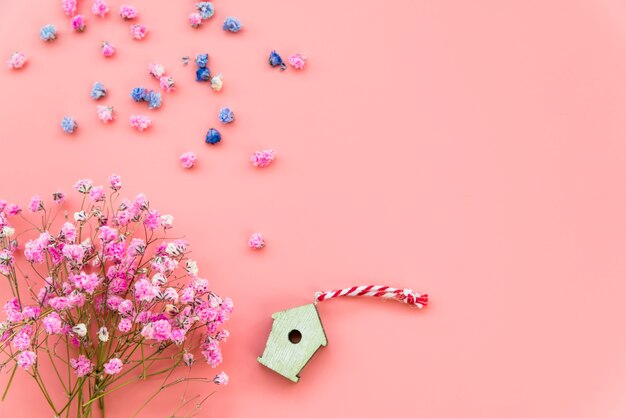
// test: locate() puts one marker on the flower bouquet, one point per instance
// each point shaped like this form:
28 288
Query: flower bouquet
102 299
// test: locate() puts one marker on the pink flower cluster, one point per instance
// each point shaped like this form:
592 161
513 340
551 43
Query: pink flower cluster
128 12
297 61
17 60
78 23
107 49
157 71
105 113
262 158
256 241
188 159
138 31
195 19
110 274
69 7
140 122
99 8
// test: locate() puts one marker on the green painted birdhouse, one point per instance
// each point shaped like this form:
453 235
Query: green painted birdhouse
296 335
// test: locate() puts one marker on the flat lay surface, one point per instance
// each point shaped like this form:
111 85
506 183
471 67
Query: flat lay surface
473 151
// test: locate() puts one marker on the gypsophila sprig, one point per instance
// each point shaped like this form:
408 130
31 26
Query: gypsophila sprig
104 293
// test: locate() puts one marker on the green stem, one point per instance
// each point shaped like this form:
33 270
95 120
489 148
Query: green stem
9 383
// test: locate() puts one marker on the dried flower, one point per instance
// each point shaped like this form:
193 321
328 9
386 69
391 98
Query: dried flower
297 61
167 83
103 334
256 241
232 24
188 159
16 60
107 49
105 113
205 9
98 91
140 122
156 70
48 33
195 20
213 136
203 74
69 7
99 8
138 31
276 61
68 124
217 82
78 23
221 379
154 99
139 94
226 115
262 158
128 12
202 60
113 366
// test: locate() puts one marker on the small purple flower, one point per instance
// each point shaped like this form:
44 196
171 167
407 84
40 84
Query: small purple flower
276 61
213 136
232 24
68 124
226 115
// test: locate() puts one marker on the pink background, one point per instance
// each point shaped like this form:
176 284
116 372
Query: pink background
471 150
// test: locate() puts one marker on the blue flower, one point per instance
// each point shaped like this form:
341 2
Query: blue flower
205 9
154 99
226 115
276 61
48 33
68 124
138 94
98 91
213 136
203 74
202 60
232 24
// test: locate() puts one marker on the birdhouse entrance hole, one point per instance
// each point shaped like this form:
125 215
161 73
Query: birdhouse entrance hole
295 336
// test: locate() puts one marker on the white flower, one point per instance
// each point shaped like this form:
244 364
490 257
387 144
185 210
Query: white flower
192 268
217 83
80 330
80 216
158 279
167 221
103 334
7 231
173 250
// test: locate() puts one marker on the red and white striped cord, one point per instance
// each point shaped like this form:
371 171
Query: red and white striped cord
402 295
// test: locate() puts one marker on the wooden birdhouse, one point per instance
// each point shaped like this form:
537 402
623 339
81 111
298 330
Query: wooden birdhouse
296 335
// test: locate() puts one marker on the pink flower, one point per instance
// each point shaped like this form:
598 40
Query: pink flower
68 232
256 241
140 122
115 182
107 49
52 323
69 7
178 336
145 291
113 366
58 197
262 158
107 234
212 353
166 83
74 252
125 308
99 8
78 23
82 365
31 312
105 113
152 220
156 70
13 209
125 325
97 194
16 60
83 185
26 359
36 204
297 61
195 20
128 12
188 159
188 359
59 303
161 330
83 281
21 340
138 31
12 311
221 379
